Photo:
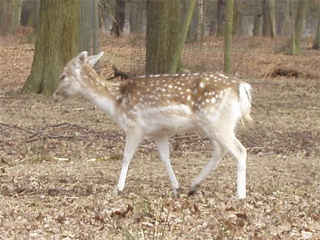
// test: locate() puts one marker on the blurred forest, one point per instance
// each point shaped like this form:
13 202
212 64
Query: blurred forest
165 36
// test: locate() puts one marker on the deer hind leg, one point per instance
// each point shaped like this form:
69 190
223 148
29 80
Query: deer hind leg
162 143
218 153
132 142
239 152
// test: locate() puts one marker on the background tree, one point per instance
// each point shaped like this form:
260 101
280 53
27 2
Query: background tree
269 18
257 19
221 17
163 24
294 43
57 41
136 16
201 24
119 20
228 36
316 44
89 26
17 6
182 37
6 17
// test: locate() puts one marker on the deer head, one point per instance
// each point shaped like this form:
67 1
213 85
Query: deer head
71 79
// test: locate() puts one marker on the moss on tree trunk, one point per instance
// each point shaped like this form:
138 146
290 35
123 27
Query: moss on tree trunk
56 43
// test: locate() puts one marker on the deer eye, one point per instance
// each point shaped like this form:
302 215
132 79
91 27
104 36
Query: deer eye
63 76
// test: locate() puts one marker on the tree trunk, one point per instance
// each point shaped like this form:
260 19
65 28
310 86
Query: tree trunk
316 44
192 31
221 17
295 40
136 16
118 22
228 37
182 37
17 6
33 18
212 8
237 19
200 28
56 43
269 18
95 27
257 20
85 25
6 16
163 26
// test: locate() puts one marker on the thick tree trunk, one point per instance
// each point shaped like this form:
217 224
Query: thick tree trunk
163 27
228 36
56 43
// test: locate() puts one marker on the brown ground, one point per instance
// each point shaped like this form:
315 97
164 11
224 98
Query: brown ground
60 162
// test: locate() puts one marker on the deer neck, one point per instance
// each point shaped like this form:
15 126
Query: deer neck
99 92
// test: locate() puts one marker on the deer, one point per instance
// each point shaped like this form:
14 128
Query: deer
159 106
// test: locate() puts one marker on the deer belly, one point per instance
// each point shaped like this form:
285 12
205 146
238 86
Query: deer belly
167 120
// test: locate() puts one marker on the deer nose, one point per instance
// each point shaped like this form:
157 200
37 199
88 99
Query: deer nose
55 98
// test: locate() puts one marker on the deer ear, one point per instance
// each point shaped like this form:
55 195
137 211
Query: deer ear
82 57
92 60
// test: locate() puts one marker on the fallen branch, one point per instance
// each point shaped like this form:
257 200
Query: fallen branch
17 127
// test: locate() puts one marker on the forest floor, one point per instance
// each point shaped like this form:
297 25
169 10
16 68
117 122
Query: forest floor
59 162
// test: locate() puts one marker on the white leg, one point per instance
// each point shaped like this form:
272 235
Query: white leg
239 152
218 153
132 142
164 152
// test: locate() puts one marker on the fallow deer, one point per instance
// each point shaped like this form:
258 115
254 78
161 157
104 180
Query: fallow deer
163 105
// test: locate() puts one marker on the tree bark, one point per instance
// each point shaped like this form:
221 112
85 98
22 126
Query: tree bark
85 25
316 44
6 16
136 16
200 28
163 26
118 22
269 18
17 6
221 17
228 36
56 43
257 20
295 40
182 37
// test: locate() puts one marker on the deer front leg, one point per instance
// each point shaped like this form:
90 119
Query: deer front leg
164 152
132 142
